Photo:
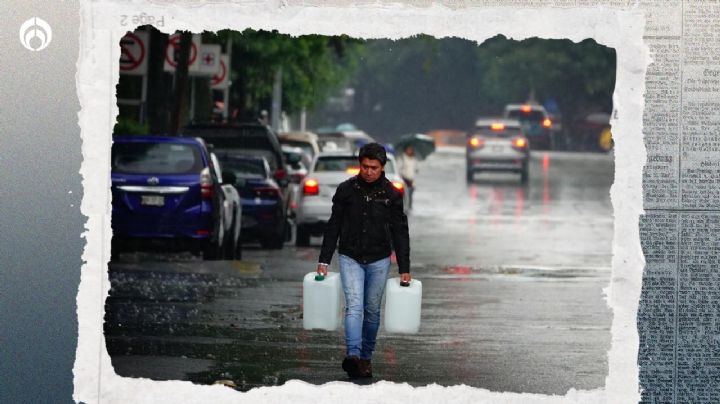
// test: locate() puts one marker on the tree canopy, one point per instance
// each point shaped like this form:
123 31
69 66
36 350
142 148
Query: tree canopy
312 66
422 83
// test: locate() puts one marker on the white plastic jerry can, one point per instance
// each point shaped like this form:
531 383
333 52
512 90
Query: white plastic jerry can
402 306
321 301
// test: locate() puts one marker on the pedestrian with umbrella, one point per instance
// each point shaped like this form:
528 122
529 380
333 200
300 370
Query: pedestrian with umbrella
414 148
408 166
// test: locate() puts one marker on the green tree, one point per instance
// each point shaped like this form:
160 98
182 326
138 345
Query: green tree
422 83
312 67
580 76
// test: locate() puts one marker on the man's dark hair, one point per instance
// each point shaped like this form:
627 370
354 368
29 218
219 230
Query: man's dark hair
373 151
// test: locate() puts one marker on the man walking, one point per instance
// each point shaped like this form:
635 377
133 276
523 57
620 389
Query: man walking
369 221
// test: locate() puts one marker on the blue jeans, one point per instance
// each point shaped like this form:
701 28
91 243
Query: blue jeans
363 285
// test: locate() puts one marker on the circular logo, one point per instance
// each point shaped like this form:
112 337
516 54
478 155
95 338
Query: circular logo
35 34
153 180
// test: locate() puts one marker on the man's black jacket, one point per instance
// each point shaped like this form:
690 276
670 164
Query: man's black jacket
369 220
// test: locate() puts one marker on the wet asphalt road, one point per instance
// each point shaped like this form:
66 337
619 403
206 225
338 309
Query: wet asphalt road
512 293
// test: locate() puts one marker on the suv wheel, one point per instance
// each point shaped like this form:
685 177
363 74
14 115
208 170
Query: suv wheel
238 249
276 239
212 251
229 246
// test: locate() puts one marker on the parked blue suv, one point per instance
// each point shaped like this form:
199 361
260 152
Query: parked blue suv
169 190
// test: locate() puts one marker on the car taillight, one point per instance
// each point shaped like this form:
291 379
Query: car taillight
206 184
353 170
267 192
546 123
399 186
519 143
280 174
476 142
311 187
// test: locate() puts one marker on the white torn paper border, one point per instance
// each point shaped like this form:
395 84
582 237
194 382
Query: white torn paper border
98 73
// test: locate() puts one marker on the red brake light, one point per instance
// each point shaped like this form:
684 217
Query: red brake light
206 184
526 109
311 187
353 170
497 126
280 174
267 192
476 142
546 123
399 186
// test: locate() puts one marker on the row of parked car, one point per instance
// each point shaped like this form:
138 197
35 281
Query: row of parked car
218 185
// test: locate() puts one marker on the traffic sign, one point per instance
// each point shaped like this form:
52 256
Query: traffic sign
133 53
209 60
221 80
172 51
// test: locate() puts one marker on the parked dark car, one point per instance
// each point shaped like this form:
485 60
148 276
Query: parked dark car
245 138
263 208
168 191
228 140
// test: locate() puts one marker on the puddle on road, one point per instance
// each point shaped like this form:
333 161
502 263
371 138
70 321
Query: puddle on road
466 272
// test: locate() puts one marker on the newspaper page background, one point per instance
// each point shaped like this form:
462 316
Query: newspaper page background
675 323
677 319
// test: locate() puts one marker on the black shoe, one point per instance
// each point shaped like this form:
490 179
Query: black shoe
350 365
365 368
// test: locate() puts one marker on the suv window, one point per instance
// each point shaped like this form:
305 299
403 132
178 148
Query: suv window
246 168
241 137
306 146
155 158
232 138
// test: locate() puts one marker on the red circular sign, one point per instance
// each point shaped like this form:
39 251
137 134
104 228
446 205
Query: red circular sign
128 59
218 78
174 44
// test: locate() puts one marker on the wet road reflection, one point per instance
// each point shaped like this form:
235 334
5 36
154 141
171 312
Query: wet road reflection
512 280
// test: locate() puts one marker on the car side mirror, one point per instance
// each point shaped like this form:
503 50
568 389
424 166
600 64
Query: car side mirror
229 177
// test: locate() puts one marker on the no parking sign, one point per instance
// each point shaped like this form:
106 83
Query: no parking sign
221 79
133 53
172 51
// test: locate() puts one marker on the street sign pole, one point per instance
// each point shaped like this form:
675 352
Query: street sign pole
277 99
192 98
143 99
226 90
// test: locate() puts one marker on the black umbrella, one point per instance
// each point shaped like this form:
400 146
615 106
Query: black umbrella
422 144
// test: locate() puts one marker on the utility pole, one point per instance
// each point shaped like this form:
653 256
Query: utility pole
181 83
277 99
226 90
